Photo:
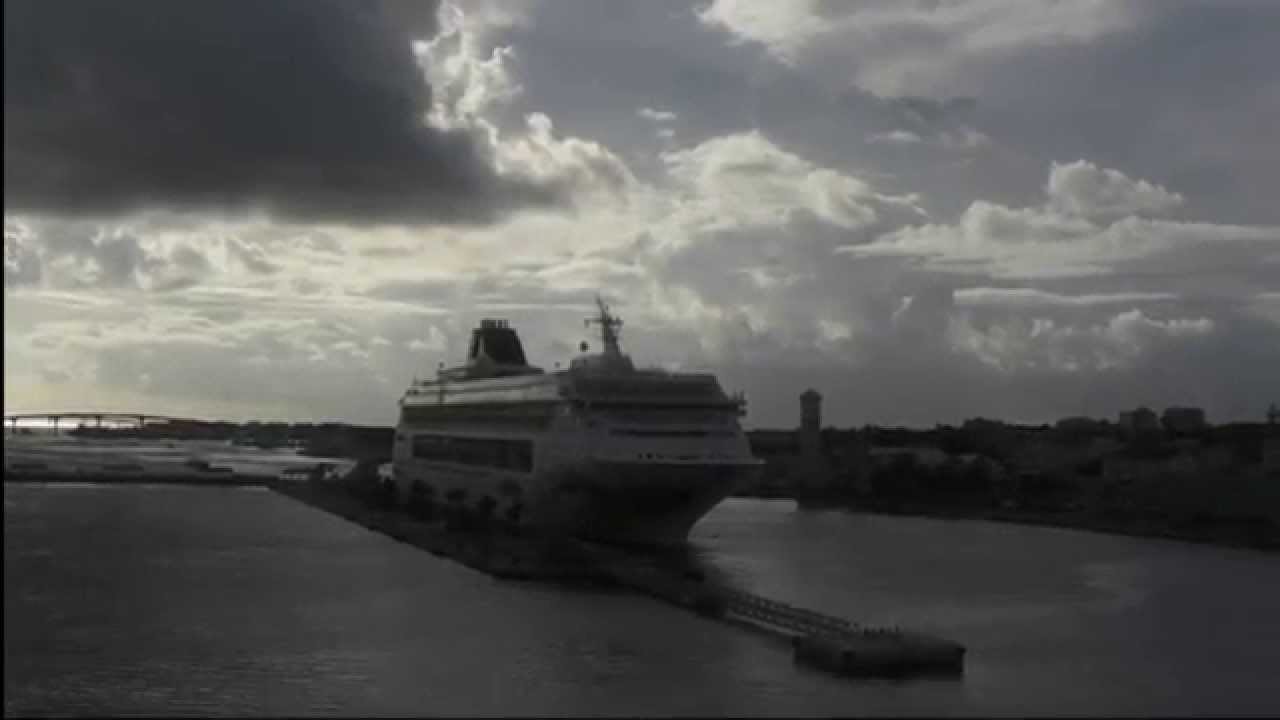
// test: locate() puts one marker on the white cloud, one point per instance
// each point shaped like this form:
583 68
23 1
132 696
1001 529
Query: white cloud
834 330
896 48
964 138
585 164
1265 305
745 180
471 83
894 137
1057 241
1086 190
1030 297
1045 344
959 139
783 27
771 277
466 79
658 116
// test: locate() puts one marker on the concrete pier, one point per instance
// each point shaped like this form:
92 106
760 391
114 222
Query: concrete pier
822 641
499 554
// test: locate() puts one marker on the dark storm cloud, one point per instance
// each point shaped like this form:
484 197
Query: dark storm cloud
309 109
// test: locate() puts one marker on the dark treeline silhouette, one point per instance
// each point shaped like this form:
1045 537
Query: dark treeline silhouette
1144 475
1171 478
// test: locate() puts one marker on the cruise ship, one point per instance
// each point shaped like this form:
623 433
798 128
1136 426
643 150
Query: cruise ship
602 450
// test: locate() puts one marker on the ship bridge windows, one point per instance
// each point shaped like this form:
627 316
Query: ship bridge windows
501 453
699 390
637 432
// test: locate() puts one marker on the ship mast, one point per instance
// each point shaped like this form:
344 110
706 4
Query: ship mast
608 328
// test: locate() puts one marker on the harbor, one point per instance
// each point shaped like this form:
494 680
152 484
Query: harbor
173 600
345 490
704 358
817 640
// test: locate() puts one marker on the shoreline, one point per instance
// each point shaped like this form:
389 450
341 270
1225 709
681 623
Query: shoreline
1262 537
166 478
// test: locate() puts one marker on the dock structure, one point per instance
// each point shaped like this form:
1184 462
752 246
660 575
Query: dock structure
819 640
823 641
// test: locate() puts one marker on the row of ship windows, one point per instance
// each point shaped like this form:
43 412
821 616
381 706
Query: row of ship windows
672 433
507 454
473 413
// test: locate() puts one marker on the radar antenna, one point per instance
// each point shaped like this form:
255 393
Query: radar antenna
608 327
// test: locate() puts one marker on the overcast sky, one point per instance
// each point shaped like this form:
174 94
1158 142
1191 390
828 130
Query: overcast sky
927 211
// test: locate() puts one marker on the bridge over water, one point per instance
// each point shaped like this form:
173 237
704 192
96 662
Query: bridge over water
54 419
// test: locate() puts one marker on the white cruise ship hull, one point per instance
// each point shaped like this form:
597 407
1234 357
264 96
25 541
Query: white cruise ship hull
639 503
643 502
600 451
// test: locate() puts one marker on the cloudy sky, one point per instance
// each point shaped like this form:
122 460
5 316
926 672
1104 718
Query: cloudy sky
927 211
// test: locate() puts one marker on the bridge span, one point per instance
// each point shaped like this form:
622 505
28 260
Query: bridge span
55 419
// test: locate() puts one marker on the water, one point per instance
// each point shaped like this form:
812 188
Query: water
199 601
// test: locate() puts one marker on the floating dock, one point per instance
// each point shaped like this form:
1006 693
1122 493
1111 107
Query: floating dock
817 640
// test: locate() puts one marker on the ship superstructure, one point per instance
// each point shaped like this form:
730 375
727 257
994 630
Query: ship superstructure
601 450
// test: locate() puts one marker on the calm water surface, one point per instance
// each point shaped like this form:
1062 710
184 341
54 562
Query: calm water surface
182 600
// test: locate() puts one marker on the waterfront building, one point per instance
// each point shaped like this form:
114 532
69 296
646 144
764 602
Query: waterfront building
1183 420
1141 420
814 467
809 460
1082 426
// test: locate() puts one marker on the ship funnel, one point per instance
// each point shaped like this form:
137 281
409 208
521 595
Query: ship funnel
495 340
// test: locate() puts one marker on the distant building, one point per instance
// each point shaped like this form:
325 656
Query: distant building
1183 420
1140 420
1081 426
814 468
807 459
993 437
1271 456
810 422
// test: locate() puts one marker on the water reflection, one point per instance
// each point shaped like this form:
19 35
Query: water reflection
177 600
